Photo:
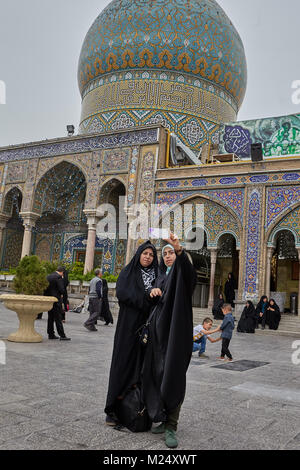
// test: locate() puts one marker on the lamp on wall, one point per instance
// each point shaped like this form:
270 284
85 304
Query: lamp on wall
71 130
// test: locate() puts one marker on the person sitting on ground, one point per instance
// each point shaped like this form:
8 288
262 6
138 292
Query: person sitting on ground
248 319
217 308
202 333
227 328
273 315
261 311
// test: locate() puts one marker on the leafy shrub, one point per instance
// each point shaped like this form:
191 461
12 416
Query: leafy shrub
76 272
49 266
89 276
31 277
110 277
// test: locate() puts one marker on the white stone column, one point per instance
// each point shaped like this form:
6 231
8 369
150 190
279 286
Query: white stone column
91 242
270 252
130 242
299 283
213 262
29 221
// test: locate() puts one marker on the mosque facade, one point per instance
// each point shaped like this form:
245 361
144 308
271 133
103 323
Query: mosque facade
149 69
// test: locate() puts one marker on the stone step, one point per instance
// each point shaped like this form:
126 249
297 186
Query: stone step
291 333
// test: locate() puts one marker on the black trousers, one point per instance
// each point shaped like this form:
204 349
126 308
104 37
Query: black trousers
225 351
55 316
173 418
95 306
261 320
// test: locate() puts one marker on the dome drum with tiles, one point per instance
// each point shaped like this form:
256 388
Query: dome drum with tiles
178 63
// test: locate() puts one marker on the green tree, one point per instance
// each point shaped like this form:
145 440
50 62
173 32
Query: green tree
31 277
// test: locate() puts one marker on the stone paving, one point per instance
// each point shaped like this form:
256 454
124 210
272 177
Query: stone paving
52 394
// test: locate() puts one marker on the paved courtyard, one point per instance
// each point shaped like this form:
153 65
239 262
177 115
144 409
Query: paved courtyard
52 394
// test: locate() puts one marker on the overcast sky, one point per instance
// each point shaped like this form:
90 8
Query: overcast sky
40 43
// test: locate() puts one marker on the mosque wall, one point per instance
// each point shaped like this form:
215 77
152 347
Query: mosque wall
251 202
263 202
125 156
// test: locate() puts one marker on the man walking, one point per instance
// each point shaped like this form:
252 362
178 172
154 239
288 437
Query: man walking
95 301
56 289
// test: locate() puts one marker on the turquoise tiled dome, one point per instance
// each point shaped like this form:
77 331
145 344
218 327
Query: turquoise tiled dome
186 41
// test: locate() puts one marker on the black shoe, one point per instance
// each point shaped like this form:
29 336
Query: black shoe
90 328
111 420
53 337
64 338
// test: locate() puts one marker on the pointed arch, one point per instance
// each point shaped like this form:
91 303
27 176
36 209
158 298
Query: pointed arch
15 192
192 197
50 165
62 180
279 219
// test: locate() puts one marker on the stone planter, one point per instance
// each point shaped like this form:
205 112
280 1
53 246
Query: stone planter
2 280
27 308
75 287
111 285
84 288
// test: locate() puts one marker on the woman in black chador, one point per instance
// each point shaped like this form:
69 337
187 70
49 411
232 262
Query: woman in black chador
217 308
133 285
170 343
230 286
105 314
273 315
247 321
261 311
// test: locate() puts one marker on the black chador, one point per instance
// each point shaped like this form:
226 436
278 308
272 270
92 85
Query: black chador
217 308
273 316
229 289
248 319
170 344
132 287
105 314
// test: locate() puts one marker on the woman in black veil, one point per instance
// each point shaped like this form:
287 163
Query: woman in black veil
217 308
248 319
229 289
273 315
261 311
170 342
133 285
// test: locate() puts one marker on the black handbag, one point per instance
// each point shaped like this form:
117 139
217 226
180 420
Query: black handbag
143 333
132 413
144 330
